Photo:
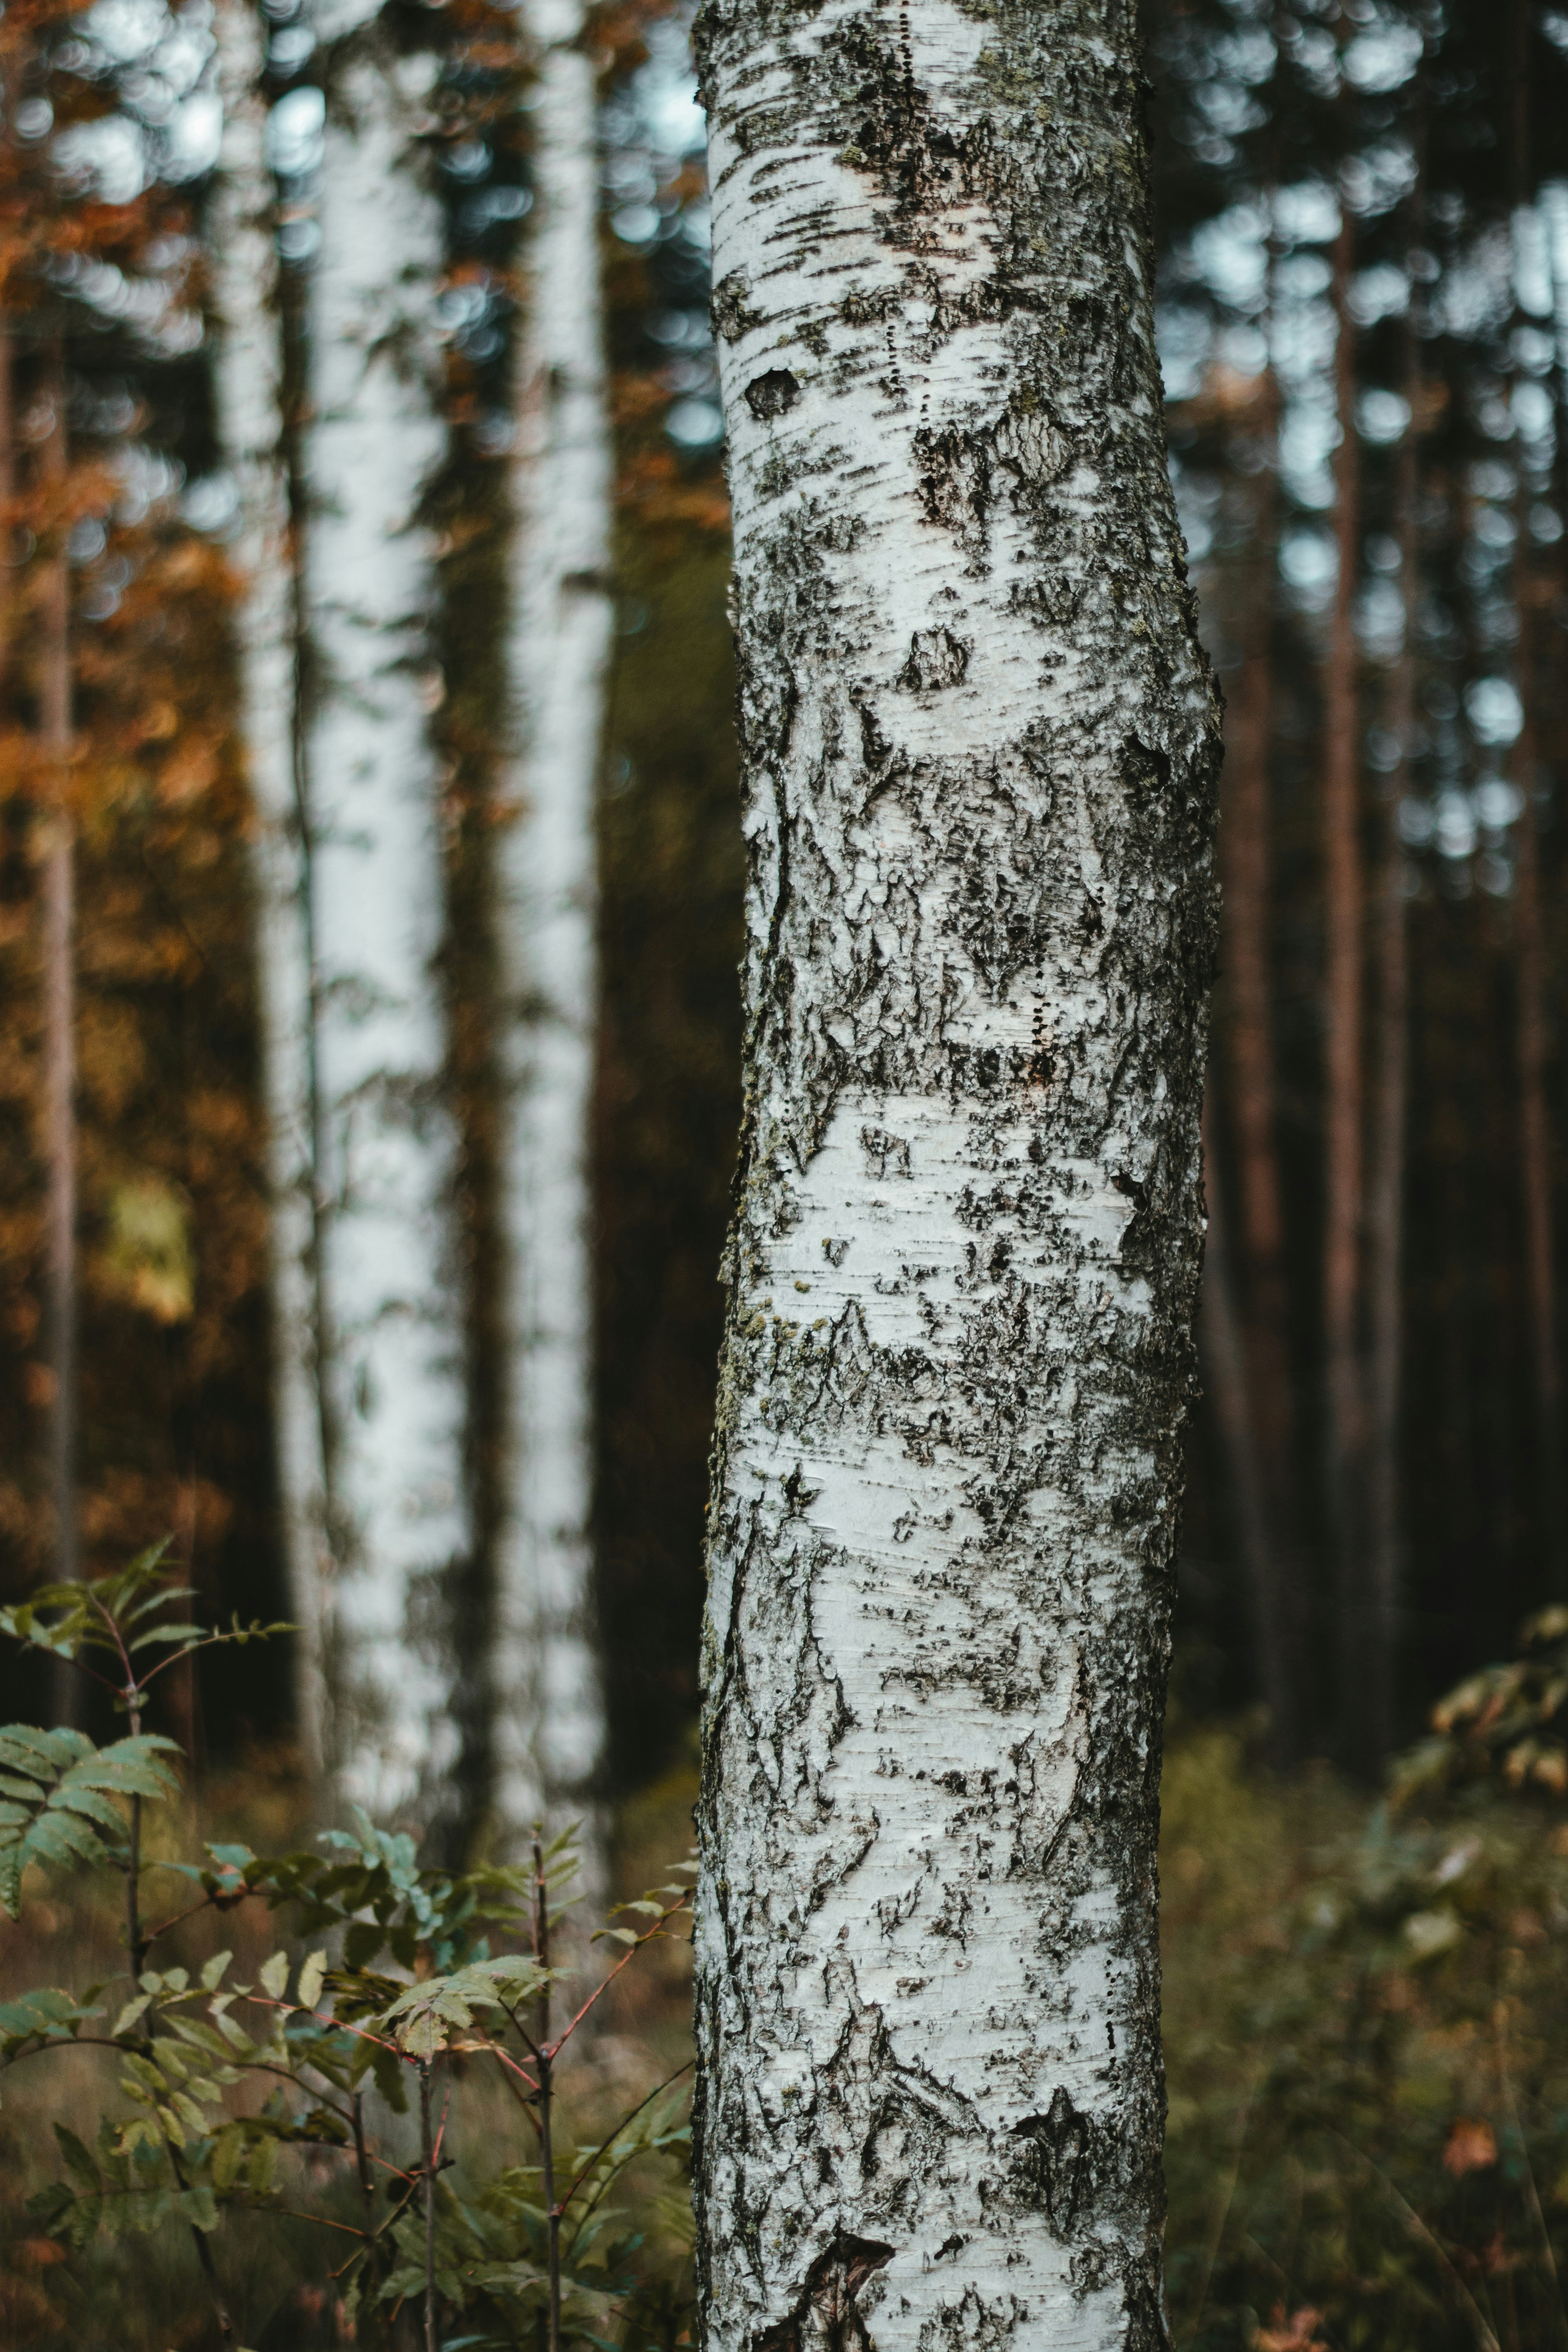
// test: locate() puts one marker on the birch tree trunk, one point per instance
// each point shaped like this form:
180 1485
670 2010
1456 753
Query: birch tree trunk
548 1724
980 744
392 1335
248 386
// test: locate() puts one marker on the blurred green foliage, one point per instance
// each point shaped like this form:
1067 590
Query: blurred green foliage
1366 2032
317 2070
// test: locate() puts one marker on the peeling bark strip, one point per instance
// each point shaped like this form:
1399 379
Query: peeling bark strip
980 744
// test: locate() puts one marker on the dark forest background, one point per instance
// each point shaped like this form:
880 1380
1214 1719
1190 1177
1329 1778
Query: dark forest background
1361 218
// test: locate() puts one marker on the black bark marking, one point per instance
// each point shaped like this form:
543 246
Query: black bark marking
900 140
1057 2167
1019 455
732 312
1145 759
937 658
827 2312
885 1154
1138 1235
772 394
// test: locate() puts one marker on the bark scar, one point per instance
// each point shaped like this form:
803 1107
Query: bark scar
773 394
826 2314
1059 2162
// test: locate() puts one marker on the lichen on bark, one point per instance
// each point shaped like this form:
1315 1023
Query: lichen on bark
979 745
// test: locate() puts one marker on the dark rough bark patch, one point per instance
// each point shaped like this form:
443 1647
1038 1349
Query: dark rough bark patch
732 316
937 658
827 2314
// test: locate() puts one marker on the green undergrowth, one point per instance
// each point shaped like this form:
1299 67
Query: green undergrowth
1366 2032
1366 2038
308 2090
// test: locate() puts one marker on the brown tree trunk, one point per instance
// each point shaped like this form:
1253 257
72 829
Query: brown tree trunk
59 989
1262 1366
1229 1378
1342 1073
1385 1191
7 496
1535 1164
1533 1040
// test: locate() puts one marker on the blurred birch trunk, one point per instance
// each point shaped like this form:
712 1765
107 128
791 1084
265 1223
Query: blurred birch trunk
548 1727
249 389
391 1328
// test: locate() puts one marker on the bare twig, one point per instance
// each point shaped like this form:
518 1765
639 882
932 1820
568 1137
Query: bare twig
546 2062
603 1987
429 2153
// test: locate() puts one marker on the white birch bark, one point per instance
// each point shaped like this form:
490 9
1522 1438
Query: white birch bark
979 745
392 1336
549 1710
248 380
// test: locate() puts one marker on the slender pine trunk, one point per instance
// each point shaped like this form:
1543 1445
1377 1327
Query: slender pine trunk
1343 991
1255 1271
980 744
1389 1108
54 683
1227 1370
248 384
7 483
1536 1153
548 1712
389 1325
1532 1048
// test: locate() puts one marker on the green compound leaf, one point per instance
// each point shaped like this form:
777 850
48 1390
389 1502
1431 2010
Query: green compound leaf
68 1808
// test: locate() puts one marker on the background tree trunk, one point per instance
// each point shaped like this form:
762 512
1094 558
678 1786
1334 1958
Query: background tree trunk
980 743
548 1721
60 977
248 379
1228 1377
7 476
1535 1152
1344 986
392 1345
1385 1189
1261 1395
1536 1155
